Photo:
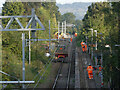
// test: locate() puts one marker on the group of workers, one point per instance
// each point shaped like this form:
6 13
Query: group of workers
60 35
90 70
90 67
84 47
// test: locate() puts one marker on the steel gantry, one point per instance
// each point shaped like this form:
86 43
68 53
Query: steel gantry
32 21
33 28
32 17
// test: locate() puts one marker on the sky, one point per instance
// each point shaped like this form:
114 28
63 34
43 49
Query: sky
72 1
1 2
63 1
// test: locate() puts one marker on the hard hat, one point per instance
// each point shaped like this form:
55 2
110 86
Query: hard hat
89 64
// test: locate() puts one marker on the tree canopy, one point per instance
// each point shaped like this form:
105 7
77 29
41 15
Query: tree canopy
105 18
68 17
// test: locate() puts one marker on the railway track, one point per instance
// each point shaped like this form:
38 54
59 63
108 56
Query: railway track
63 76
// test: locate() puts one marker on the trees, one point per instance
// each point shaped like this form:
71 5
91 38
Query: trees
116 6
105 19
69 17
12 43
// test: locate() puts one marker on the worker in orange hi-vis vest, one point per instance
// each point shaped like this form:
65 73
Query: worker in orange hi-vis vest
90 71
100 69
85 47
71 39
82 43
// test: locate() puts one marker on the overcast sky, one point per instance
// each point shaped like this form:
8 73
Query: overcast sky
1 2
64 1
72 1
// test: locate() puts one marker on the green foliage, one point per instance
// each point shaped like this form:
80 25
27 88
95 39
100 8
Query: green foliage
104 18
68 17
12 43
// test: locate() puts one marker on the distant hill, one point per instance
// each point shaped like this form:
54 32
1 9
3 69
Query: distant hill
79 9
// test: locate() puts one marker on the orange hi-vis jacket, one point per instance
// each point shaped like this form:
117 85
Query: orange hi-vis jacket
85 47
71 39
82 43
90 69
100 68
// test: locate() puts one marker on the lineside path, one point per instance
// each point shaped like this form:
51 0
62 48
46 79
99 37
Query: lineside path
83 61
77 72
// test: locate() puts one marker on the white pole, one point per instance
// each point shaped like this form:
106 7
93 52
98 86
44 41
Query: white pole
96 47
49 40
92 44
65 27
96 39
58 30
29 49
62 27
23 57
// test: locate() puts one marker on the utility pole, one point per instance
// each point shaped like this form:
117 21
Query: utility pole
58 30
101 62
96 47
91 43
23 57
29 49
96 39
49 39
65 28
62 27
